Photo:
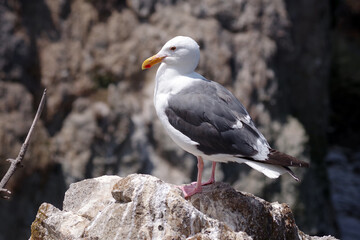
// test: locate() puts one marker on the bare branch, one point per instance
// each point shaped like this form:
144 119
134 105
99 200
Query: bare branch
4 193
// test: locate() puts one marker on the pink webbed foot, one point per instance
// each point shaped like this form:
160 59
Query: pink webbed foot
190 189
211 181
195 187
212 178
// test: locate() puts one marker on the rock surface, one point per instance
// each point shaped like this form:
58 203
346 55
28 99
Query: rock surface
144 207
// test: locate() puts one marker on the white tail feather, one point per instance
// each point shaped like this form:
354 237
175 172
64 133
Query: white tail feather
270 171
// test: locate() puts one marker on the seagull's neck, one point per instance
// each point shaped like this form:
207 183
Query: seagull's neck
168 82
166 71
173 71
166 78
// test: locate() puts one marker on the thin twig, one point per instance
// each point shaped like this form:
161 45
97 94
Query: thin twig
4 193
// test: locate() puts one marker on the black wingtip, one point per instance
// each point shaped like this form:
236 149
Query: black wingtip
282 159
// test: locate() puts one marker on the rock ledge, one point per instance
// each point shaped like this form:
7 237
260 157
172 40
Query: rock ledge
144 207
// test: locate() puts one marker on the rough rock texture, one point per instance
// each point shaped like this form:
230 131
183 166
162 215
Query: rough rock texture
99 118
144 207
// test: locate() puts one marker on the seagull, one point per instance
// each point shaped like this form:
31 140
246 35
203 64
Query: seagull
206 120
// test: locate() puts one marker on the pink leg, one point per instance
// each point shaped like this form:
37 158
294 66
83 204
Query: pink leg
190 190
212 178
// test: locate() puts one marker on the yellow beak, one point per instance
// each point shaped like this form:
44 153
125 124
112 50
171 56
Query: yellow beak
151 61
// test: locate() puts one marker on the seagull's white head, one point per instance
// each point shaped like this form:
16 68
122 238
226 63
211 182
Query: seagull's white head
180 53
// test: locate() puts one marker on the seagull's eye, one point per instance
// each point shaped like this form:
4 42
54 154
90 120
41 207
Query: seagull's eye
172 48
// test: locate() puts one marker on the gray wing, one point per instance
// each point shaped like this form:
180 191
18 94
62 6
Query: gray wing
208 114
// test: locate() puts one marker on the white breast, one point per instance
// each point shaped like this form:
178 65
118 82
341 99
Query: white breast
169 83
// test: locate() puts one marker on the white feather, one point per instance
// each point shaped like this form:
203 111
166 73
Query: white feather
238 124
271 171
263 150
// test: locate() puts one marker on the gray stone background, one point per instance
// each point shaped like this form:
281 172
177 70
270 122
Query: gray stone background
293 64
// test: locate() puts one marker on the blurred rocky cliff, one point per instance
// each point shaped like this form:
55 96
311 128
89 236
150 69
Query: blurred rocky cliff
276 56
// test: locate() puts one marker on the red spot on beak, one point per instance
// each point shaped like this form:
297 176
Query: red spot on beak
148 66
